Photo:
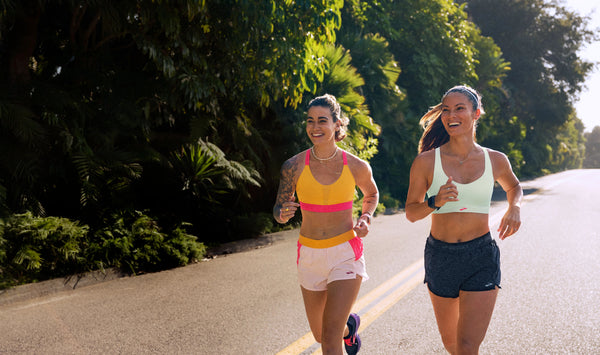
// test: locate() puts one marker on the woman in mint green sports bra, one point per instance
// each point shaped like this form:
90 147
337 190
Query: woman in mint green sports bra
453 178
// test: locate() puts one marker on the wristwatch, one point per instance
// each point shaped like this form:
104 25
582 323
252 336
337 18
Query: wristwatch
431 203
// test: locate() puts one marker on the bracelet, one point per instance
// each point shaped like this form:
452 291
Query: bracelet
368 215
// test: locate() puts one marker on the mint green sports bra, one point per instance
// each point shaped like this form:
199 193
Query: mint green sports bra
474 197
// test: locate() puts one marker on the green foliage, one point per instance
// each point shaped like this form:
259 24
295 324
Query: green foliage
431 41
570 151
199 183
391 204
342 80
187 109
541 40
198 170
592 149
134 242
406 69
34 248
112 88
39 248
357 208
497 124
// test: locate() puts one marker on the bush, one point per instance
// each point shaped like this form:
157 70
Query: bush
133 242
391 204
38 248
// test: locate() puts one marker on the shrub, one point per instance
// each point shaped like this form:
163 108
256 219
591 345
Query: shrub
133 242
39 248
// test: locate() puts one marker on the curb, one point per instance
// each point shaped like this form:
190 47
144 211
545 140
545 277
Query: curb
44 288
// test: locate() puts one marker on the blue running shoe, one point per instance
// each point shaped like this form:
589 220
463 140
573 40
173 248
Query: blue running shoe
352 341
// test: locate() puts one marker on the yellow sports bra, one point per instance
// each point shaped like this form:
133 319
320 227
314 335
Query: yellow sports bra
316 197
474 197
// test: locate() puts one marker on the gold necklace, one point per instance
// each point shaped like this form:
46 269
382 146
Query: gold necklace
312 150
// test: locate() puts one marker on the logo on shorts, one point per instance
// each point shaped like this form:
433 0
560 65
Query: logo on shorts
488 284
349 272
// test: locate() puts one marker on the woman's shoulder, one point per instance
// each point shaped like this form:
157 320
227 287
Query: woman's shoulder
295 162
496 156
360 168
427 158
499 160
355 162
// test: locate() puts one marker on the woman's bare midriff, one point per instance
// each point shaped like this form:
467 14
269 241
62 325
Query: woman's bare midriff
459 227
325 225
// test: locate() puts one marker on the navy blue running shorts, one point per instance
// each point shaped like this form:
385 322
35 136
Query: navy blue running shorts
467 266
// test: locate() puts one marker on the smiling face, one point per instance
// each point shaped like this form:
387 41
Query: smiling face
320 126
458 115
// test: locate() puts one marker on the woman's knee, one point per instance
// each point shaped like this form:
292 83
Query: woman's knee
317 337
449 344
467 346
331 344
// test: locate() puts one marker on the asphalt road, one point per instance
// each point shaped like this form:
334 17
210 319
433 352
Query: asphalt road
249 302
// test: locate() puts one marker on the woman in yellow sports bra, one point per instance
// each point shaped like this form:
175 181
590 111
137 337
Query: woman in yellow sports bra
453 178
330 260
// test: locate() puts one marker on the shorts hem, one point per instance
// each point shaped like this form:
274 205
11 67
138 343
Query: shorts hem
444 296
484 289
439 295
364 278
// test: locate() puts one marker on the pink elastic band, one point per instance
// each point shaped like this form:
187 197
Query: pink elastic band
357 246
326 208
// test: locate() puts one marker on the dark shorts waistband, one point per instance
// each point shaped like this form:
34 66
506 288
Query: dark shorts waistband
486 238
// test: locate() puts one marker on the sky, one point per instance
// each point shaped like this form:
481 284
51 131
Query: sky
587 104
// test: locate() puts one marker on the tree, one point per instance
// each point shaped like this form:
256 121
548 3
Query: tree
541 40
101 94
409 53
592 149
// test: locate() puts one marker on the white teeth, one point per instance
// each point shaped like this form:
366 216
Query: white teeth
453 124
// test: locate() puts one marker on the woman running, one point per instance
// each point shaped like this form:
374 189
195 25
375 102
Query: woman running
462 261
331 265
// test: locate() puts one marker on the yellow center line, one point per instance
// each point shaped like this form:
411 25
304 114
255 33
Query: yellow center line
386 286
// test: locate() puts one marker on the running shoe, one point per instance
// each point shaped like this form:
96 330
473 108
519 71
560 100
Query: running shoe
352 341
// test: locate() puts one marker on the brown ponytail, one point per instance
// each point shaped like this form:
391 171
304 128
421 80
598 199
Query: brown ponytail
435 134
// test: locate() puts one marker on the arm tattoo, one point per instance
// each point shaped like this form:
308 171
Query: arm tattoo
369 203
287 185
